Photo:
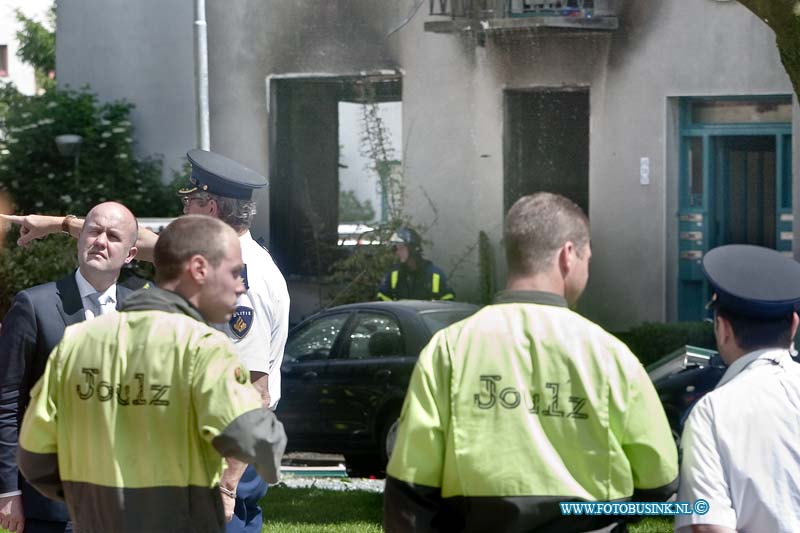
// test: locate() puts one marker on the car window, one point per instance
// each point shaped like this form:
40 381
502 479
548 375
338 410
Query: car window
436 320
375 335
315 340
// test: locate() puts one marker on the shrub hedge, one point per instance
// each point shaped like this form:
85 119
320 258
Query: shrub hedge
42 261
35 178
651 341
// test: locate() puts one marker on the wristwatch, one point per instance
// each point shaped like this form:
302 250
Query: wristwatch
65 224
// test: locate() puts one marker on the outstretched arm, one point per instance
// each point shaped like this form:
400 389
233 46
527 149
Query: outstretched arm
34 227
38 226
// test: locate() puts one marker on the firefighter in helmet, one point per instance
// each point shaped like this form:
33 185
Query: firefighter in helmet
413 277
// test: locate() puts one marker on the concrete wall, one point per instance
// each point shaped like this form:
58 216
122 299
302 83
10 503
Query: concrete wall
669 56
252 40
19 73
141 51
453 106
453 99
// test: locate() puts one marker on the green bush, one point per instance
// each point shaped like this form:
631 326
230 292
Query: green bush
651 341
42 261
356 277
38 179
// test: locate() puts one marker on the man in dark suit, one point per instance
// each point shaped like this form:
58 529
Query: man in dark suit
32 328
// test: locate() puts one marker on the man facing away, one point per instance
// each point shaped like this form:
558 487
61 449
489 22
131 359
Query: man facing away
32 327
134 410
223 188
413 277
526 404
740 442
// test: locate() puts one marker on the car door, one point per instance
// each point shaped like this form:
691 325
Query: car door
304 398
362 376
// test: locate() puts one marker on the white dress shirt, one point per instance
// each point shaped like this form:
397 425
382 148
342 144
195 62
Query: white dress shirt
265 305
741 447
107 298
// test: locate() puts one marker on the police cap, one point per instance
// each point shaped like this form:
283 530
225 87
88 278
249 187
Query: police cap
217 174
753 281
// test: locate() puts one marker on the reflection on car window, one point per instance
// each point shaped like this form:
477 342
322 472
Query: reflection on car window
436 320
375 335
315 340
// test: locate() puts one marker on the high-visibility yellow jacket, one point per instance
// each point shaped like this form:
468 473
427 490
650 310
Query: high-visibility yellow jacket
132 414
516 408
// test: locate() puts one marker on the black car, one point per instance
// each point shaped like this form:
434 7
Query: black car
683 377
345 372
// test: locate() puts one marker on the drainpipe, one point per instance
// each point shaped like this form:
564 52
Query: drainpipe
795 177
201 74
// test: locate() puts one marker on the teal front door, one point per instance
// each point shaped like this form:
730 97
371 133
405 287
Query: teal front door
735 189
744 203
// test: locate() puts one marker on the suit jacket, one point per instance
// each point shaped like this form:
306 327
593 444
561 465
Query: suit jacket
31 329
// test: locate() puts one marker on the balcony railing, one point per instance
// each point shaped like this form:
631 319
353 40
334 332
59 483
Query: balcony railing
511 14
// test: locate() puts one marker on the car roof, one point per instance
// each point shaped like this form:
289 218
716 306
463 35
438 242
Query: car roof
414 306
406 308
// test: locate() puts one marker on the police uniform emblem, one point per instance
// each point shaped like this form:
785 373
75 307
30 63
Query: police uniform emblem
241 321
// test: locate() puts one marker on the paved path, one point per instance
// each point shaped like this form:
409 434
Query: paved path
333 483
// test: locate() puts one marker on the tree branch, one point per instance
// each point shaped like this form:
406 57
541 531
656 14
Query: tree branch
783 16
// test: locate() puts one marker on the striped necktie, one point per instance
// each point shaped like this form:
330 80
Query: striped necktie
97 305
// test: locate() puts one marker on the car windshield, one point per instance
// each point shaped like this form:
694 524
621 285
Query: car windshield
436 320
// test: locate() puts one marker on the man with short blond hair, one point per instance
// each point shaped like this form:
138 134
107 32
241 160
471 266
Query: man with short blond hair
526 404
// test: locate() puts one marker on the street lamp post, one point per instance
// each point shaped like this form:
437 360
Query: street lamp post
69 145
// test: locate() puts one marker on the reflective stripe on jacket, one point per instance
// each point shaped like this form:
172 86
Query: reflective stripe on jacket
428 282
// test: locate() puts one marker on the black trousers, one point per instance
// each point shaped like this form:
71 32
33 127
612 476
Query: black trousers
45 526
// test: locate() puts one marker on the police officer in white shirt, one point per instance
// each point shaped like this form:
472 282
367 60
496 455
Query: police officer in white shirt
223 188
741 442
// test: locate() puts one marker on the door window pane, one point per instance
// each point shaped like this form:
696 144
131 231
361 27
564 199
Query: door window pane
375 335
786 178
742 111
695 164
315 341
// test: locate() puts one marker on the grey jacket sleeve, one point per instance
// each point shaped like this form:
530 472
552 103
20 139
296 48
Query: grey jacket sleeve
255 437
17 345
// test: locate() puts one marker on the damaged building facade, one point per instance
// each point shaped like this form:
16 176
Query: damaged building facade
670 122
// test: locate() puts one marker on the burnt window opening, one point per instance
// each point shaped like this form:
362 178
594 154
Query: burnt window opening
314 204
546 144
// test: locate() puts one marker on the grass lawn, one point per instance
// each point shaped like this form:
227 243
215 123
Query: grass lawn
323 511
313 510
652 525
